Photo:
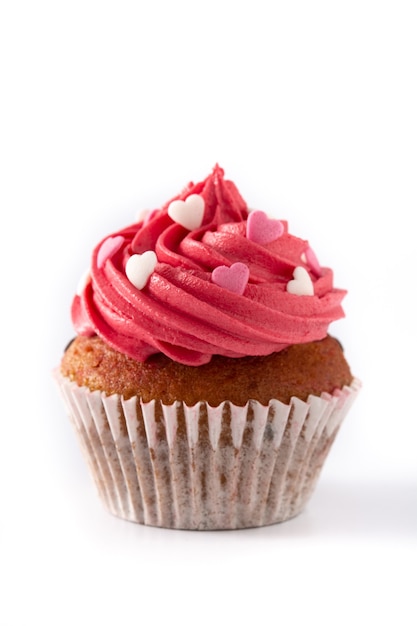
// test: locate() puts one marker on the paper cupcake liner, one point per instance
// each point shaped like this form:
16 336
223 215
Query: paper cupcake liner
204 467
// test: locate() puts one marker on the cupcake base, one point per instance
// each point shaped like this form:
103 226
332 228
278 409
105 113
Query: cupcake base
203 467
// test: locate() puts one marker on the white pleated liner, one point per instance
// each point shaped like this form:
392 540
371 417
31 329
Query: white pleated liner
204 467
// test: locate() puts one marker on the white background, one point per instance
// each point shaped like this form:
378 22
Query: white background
107 108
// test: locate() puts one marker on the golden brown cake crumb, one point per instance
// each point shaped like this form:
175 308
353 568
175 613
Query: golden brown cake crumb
300 370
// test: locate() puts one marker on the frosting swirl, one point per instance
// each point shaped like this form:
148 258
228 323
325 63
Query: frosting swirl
221 287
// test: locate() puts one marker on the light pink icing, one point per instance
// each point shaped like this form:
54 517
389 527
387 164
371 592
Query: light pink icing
181 311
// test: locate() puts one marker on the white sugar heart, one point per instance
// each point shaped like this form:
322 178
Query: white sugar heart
139 267
302 284
189 212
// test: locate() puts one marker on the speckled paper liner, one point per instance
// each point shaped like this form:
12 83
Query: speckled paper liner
204 467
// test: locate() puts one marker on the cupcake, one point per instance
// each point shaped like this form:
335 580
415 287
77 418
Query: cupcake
202 384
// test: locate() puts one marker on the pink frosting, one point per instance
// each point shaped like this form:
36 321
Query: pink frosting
181 311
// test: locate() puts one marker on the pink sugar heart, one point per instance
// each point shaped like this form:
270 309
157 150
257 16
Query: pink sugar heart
233 278
313 261
262 229
302 284
109 247
189 212
139 267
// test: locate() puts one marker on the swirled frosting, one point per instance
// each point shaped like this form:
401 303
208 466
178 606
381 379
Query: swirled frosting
224 280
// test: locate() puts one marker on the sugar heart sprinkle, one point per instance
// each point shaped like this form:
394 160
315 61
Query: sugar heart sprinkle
302 284
262 229
312 261
139 267
189 212
233 278
109 247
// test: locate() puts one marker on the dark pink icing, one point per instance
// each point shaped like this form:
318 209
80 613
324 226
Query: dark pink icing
181 311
